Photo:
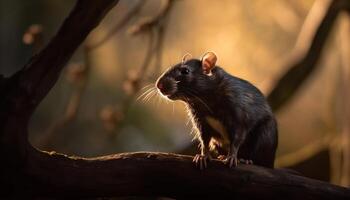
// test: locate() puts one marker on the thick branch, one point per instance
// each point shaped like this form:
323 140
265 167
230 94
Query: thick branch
164 174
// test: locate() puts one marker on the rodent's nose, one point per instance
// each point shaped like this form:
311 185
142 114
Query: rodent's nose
166 86
160 85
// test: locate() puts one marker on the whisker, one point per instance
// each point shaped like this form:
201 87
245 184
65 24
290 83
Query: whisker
148 95
151 84
145 96
145 93
147 87
151 96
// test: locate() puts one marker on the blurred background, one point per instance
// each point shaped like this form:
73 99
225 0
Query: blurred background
94 109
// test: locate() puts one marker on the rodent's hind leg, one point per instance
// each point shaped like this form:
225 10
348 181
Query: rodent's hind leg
240 160
264 144
232 157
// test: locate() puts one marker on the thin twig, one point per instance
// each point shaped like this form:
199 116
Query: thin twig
149 54
160 44
154 28
152 22
125 20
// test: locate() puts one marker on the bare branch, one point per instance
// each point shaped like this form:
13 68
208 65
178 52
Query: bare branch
155 28
308 50
126 19
147 23
165 174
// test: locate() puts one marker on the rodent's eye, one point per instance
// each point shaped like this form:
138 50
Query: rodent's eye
184 71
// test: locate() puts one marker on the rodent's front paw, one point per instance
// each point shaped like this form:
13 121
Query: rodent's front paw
201 160
231 161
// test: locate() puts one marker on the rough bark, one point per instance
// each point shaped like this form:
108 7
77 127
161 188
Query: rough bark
29 172
170 175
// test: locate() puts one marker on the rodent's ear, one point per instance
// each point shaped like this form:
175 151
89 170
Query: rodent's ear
208 62
186 57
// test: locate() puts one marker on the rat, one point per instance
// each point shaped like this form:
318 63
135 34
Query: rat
230 116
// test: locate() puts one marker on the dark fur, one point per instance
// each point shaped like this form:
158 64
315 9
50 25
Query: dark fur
236 103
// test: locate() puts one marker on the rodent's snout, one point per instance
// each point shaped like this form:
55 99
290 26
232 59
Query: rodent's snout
167 86
159 85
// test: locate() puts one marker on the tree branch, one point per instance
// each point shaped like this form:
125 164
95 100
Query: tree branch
129 15
305 56
165 174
